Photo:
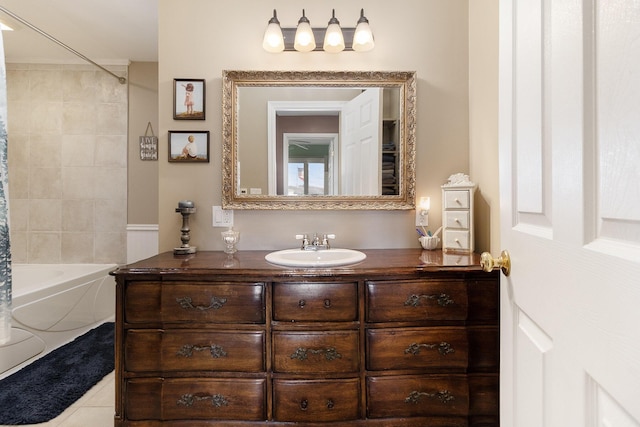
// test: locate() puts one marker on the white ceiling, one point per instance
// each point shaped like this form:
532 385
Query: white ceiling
106 31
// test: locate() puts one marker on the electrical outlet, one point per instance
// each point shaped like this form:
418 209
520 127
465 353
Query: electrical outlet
422 218
222 217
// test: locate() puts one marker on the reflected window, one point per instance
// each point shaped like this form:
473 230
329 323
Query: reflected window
307 177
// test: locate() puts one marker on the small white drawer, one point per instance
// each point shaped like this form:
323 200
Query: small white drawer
456 219
455 240
456 199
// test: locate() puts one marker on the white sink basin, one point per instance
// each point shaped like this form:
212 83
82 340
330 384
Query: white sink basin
323 258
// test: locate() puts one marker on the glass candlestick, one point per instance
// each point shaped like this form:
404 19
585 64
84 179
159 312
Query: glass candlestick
230 238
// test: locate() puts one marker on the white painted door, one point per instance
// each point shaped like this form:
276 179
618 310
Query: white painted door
361 144
570 212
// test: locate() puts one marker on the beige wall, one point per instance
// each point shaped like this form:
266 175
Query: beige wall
483 120
143 174
427 36
67 130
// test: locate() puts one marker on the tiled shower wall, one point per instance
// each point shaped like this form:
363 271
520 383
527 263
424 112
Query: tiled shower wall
67 130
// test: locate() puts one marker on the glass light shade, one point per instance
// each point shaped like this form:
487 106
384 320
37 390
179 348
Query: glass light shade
273 40
363 38
333 39
304 40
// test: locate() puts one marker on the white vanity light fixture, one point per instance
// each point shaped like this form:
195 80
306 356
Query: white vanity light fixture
303 37
363 37
422 212
305 41
273 40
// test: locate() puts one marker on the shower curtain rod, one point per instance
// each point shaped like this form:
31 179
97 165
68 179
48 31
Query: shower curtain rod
122 80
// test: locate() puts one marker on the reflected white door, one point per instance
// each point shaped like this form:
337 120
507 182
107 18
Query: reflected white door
361 144
570 212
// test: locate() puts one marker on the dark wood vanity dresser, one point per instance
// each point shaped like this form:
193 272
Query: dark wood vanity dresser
405 338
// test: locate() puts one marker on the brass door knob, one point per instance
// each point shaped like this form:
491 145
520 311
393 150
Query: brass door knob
488 262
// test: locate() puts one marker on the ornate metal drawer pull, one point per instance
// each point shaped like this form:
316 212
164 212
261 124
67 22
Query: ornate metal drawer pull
327 303
187 303
444 348
442 299
302 303
330 404
330 353
217 400
216 350
443 396
304 404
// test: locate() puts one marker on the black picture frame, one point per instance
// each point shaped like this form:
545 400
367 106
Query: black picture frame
180 151
189 99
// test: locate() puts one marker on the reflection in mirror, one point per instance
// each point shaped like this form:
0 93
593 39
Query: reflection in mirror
318 140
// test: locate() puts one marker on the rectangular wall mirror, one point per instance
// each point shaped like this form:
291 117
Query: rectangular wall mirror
318 140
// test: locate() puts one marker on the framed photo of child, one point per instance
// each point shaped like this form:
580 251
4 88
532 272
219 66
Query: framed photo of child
188 99
188 146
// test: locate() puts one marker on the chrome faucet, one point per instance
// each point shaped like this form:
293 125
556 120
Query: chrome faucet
316 243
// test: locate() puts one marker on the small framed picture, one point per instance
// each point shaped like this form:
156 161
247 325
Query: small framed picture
188 99
188 146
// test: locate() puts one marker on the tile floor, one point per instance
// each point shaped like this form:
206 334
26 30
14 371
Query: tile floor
94 409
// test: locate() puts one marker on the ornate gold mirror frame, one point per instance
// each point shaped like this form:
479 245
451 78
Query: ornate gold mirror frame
233 81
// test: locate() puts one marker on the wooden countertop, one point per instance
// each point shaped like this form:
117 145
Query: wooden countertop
378 261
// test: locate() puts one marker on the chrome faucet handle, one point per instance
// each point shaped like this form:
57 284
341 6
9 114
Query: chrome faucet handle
304 238
325 239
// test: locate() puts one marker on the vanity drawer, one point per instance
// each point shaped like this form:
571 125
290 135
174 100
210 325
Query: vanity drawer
195 399
456 199
315 352
414 300
316 401
453 239
417 396
456 219
417 348
195 302
325 302
194 350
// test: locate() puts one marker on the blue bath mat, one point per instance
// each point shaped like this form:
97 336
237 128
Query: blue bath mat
43 389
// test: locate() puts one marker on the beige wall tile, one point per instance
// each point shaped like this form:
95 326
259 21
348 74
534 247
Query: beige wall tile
77 248
110 119
18 118
45 117
78 182
19 246
78 150
45 215
80 85
45 150
78 215
19 214
17 85
108 248
44 247
110 151
110 215
45 183
111 90
112 183
18 156
79 118
59 166
44 85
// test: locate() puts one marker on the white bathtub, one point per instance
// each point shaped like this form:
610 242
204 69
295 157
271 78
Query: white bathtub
52 305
